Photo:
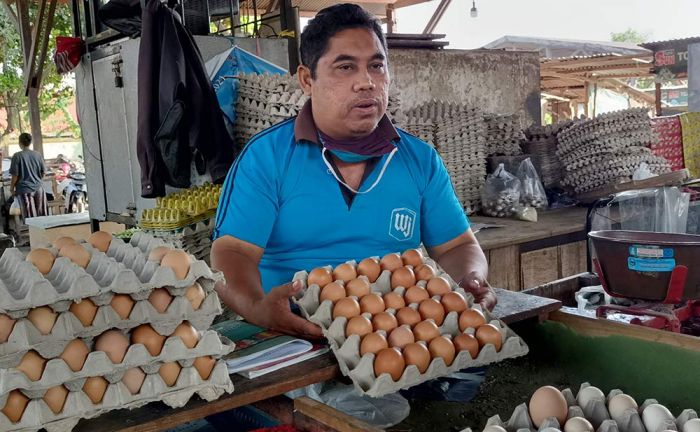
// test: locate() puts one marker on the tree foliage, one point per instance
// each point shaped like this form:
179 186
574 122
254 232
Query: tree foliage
630 35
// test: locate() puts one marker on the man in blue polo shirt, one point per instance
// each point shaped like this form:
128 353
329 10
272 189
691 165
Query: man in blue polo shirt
338 182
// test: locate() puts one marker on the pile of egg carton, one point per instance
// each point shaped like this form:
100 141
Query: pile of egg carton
607 150
541 144
458 134
193 239
391 326
690 131
89 328
503 134
669 144
591 411
181 209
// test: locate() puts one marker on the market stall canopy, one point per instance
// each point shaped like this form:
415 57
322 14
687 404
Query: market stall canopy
561 48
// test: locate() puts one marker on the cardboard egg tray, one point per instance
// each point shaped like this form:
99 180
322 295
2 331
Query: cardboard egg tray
360 369
595 411
38 416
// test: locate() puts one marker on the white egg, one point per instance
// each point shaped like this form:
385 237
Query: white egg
692 425
588 394
619 405
657 418
494 428
578 424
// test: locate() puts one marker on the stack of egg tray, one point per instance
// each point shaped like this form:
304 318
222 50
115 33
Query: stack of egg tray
194 239
669 142
182 209
607 150
503 134
690 128
360 368
458 134
123 269
541 144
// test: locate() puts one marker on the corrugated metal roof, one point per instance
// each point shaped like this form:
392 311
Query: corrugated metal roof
655 44
554 48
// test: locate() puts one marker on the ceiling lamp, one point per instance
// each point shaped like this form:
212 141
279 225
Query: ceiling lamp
473 12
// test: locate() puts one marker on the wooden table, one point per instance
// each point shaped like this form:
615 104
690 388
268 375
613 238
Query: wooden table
523 254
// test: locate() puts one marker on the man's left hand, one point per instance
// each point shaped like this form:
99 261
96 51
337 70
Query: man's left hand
480 289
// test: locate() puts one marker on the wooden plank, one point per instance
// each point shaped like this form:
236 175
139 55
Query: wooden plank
513 307
539 266
312 416
158 416
417 36
504 268
563 289
675 178
572 258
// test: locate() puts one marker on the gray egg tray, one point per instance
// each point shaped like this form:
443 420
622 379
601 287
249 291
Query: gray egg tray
595 411
38 416
25 336
360 369
57 372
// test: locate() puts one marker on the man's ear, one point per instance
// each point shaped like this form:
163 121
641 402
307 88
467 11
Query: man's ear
305 80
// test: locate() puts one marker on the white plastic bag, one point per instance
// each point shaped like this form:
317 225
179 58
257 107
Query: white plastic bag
642 172
15 209
501 193
532 192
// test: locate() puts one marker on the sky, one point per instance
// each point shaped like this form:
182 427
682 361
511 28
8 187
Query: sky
565 19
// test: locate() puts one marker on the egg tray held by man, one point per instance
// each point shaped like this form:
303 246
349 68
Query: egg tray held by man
392 327
551 410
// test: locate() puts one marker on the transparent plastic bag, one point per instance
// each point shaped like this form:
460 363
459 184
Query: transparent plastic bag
501 194
642 172
532 193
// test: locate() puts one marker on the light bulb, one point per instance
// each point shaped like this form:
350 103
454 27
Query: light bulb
473 12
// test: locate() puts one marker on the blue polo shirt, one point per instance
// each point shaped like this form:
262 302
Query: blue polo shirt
280 196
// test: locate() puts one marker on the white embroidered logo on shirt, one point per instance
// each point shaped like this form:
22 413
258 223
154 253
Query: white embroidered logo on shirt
401 224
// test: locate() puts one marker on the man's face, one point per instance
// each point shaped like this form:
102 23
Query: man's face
350 92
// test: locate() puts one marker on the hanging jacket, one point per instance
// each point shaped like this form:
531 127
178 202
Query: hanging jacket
179 119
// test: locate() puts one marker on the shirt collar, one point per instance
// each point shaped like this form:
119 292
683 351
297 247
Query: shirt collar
305 127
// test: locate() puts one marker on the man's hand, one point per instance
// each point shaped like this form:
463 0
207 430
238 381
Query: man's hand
273 312
480 289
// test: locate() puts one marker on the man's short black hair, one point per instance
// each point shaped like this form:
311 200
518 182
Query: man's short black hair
328 22
25 139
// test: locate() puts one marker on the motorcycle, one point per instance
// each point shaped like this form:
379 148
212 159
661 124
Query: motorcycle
74 191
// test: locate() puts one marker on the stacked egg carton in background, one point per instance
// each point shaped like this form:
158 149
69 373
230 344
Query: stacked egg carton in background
459 137
607 150
690 130
399 321
669 143
541 144
503 134
550 410
89 328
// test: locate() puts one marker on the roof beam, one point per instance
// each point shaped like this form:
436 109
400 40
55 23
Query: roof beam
437 16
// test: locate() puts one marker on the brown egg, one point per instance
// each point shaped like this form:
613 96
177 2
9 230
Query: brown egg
393 300
157 253
95 388
333 292
76 253
85 311
178 261
100 240
412 257
416 294
417 354
391 262
122 305
432 309
467 342
319 276
74 354
55 398
403 276
114 344
151 339
426 331
453 302
32 365
471 318
369 267
42 259
169 372
357 287
372 303
547 402
43 319
389 360
442 347
347 307
401 336
187 333
344 272
489 334
384 321
408 316
133 380
204 366
60 242
373 343
195 295
424 272
7 324
160 298
438 286
358 325
15 405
